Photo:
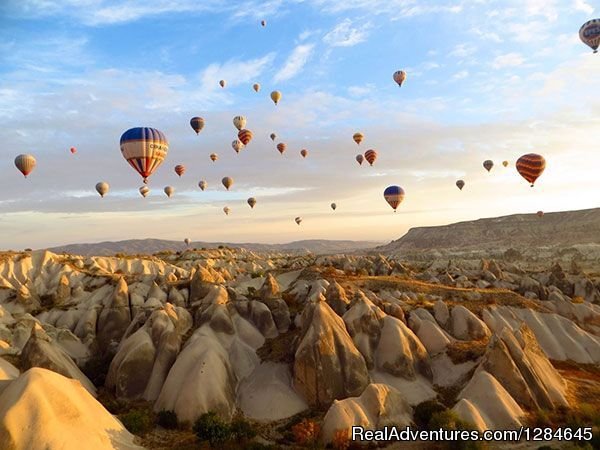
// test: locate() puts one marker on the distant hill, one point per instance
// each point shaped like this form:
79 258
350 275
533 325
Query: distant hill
149 246
558 229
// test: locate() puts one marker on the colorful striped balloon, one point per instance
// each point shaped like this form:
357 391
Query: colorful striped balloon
144 149
531 166
245 136
25 164
281 147
371 156
179 169
589 33
394 196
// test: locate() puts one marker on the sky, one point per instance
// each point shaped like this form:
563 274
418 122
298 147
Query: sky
486 79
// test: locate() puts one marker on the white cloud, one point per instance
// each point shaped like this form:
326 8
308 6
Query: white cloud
583 6
462 50
235 72
345 35
508 60
460 75
295 62
360 91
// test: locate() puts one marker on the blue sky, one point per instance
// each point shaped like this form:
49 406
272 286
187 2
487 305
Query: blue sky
486 79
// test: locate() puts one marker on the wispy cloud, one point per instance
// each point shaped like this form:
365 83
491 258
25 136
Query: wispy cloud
508 60
235 72
295 62
583 6
345 34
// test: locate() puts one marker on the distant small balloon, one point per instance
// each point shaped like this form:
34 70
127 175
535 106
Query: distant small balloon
589 33
399 77
252 202
102 188
73 150
237 145
505 163
202 184
239 122
540 213
222 83
245 136
144 191
281 147
169 190
226 210
187 241
227 182
304 153
25 164
179 169
256 87
360 159
488 164
358 137
371 156
298 220
333 206
394 195
276 96
214 157
263 23
460 184
197 124
273 137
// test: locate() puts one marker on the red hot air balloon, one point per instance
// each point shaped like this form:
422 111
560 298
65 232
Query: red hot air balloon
245 136
179 169
371 156
281 147
531 166
73 150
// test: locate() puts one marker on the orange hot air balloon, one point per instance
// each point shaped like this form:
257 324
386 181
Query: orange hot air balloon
25 164
179 169
245 136
73 150
531 166
371 156
222 83
281 147
304 153
214 157
358 137
360 159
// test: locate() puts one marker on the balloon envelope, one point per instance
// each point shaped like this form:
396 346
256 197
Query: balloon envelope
245 136
202 184
531 166
273 136
394 196
360 159
460 184
226 210
252 202
505 163
227 182
102 188
144 190
399 77
169 190
304 152
371 156
298 220
237 145
25 164
144 149
179 169
239 122
281 147
540 213
197 123
276 96
222 83
333 206
488 164
73 150
214 157
256 87
589 33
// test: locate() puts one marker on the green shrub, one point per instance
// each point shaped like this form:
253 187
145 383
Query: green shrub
210 427
424 412
168 419
242 430
137 421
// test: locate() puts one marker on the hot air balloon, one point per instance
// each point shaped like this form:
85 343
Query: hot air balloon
256 87
202 184
488 164
276 96
460 184
333 206
144 149
360 159
245 136
540 213
73 150
298 220
239 122
197 124
144 190
214 157
226 210
179 169
531 166
169 190
227 182
237 145
25 164
399 77
589 33
505 163
222 83
358 137
102 188
273 137
304 153
263 23
394 196
252 202
187 241
371 156
281 147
